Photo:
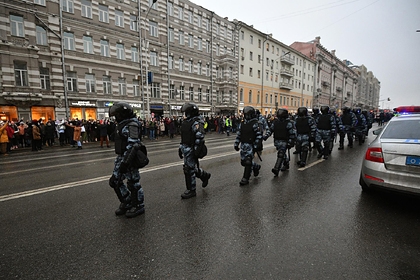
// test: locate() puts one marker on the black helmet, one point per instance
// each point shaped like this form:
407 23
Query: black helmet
325 110
249 112
121 111
346 110
333 111
302 111
357 110
257 112
315 110
282 113
190 110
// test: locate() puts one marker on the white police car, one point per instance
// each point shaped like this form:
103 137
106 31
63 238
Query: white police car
392 160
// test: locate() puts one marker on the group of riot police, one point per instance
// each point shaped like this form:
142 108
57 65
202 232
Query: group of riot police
320 128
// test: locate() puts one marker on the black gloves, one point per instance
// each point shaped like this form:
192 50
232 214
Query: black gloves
290 145
180 153
236 147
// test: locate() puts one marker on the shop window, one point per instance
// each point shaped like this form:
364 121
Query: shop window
44 113
8 113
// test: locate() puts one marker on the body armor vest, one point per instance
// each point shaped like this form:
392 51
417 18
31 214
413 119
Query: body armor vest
302 126
324 122
359 120
187 135
247 132
121 141
280 130
346 119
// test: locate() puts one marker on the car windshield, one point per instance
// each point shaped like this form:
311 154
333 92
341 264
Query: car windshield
407 129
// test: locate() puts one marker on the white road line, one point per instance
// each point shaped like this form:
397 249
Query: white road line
311 164
97 179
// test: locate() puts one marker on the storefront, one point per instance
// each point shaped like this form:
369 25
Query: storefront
8 113
44 113
83 110
137 108
157 110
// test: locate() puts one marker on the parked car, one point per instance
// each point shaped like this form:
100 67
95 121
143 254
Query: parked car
392 160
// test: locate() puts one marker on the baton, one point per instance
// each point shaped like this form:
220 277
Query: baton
259 156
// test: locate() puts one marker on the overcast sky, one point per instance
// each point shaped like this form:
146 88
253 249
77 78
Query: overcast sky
381 34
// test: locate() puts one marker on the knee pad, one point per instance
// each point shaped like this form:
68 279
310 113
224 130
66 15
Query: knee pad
280 154
247 161
113 181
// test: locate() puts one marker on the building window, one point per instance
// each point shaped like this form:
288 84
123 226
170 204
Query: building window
134 54
171 62
242 35
199 68
181 64
41 36
136 89
200 44
191 93
190 41
71 81
119 18
207 25
103 14
90 83
207 95
242 69
67 6
171 34
21 74
16 26
87 44
190 66
104 48
170 9
153 28
208 47
200 95
181 37
180 13
241 95
250 96
199 21
251 39
69 41
172 91
155 90
190 16
86 8
120 51
251 56
40 2
207 70
259 74
107 84
230 73
181 93
153 59
44 75
122 87
250 72
133 22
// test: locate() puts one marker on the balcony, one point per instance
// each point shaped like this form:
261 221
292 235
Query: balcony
286 59
286 72
284 85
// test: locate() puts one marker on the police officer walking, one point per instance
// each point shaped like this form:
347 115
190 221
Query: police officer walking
127 142
284 139
249 137
349 121
191 149
361 126
325 129
305 129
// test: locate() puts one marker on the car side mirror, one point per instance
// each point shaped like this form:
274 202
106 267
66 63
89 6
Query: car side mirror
377 131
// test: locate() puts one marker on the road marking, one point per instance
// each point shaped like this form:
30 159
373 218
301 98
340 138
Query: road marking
98 179
311 164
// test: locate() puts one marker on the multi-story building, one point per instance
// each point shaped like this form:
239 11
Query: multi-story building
337 81
74 58
272 75
368 89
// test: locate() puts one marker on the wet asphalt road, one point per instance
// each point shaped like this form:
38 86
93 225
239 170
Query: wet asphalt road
57 219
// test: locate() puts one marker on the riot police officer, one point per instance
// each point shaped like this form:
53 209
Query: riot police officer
338 126
127 142
249 137
305 129
349 121
361 126
192 143
284 139
325 128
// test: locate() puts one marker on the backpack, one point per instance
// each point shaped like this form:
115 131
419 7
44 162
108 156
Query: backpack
201 150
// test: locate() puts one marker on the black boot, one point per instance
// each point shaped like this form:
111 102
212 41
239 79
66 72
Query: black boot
204 176
189 192
137 206
303 159
285 166
341 145
124 207
256 169
247 174
326 151
276 168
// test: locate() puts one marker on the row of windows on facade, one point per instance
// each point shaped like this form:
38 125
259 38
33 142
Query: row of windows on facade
283 101
21 80
104 16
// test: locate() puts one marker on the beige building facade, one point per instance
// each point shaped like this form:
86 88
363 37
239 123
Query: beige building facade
272 75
